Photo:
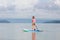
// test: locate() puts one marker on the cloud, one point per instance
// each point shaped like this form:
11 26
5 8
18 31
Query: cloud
48 4
57 2
28 8
25 3
3 3
38 13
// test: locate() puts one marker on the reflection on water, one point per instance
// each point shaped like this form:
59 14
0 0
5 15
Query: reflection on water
33 36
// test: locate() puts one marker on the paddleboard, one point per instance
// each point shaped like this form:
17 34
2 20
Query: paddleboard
28 30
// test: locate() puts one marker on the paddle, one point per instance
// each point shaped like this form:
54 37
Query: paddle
36 28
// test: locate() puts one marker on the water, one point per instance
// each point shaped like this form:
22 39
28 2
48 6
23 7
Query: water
13 31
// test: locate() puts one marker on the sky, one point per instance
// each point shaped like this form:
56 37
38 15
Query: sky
49 9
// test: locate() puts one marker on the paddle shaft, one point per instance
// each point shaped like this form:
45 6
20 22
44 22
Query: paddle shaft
36 27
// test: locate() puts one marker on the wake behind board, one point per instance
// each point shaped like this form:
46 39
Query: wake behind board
27 30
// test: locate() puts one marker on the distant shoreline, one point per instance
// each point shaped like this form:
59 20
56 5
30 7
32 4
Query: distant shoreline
28 21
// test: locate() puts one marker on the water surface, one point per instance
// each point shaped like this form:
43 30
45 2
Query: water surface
13 31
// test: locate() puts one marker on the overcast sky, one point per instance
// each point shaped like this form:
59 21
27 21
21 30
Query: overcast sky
28 8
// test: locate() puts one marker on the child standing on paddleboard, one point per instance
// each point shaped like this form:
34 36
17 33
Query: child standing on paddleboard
33 23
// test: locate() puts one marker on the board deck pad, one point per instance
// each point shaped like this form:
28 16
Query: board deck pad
27 30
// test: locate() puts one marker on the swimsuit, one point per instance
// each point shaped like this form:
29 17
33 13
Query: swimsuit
33 20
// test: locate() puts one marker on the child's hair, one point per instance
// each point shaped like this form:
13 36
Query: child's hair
33 17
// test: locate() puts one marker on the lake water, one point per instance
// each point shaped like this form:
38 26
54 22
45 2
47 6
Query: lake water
14 31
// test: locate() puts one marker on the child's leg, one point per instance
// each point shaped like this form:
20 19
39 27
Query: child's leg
33 27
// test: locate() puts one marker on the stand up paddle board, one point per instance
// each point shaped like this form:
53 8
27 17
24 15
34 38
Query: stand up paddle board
27 30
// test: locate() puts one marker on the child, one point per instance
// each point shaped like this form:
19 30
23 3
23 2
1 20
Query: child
33 23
